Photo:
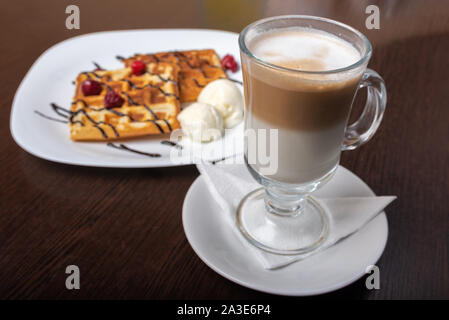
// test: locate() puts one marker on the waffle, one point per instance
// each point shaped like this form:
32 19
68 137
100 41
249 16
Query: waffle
151 104
197 69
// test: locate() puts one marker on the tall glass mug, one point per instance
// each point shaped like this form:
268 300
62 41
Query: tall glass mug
296 123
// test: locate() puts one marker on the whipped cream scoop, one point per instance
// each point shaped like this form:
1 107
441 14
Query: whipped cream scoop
226 98
201 122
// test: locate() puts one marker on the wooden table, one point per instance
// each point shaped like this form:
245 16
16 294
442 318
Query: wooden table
123 227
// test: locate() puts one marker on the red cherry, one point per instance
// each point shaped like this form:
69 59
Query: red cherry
228 62
113 100
138 67
91 87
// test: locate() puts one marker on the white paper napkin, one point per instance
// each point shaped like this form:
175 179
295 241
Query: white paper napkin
229 183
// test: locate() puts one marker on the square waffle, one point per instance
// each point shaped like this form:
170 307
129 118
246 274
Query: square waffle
151 104
197 69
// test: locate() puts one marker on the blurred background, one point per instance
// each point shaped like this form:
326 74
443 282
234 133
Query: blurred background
45 19
42 23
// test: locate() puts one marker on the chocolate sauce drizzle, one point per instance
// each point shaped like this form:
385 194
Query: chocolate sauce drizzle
152 113
236 81
49 118
69 115
130 100
120 114
97 66
185 59
155 58
168 125
197 83
172 144
214 162
88 74
167 94
121 146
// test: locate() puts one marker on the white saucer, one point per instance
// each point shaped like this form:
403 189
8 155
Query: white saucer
216 244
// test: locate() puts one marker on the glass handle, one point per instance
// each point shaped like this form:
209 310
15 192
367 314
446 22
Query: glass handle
364 128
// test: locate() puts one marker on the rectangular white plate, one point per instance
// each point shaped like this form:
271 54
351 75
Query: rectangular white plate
50 80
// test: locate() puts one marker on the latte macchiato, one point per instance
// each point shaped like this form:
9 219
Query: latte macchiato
300 75
310 109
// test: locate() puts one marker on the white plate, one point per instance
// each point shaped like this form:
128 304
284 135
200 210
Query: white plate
50 78
216 244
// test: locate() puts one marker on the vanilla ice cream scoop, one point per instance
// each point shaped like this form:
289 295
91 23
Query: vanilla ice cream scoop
226 98
201 122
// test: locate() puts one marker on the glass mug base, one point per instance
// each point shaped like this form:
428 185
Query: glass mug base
292 234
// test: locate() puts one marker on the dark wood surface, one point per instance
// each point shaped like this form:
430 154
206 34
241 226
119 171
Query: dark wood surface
123 227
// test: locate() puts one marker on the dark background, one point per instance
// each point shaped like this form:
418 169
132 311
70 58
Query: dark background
123 227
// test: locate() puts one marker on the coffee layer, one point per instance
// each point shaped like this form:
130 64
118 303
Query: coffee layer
300 109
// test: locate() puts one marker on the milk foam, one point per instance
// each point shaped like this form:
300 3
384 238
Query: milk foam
304 49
